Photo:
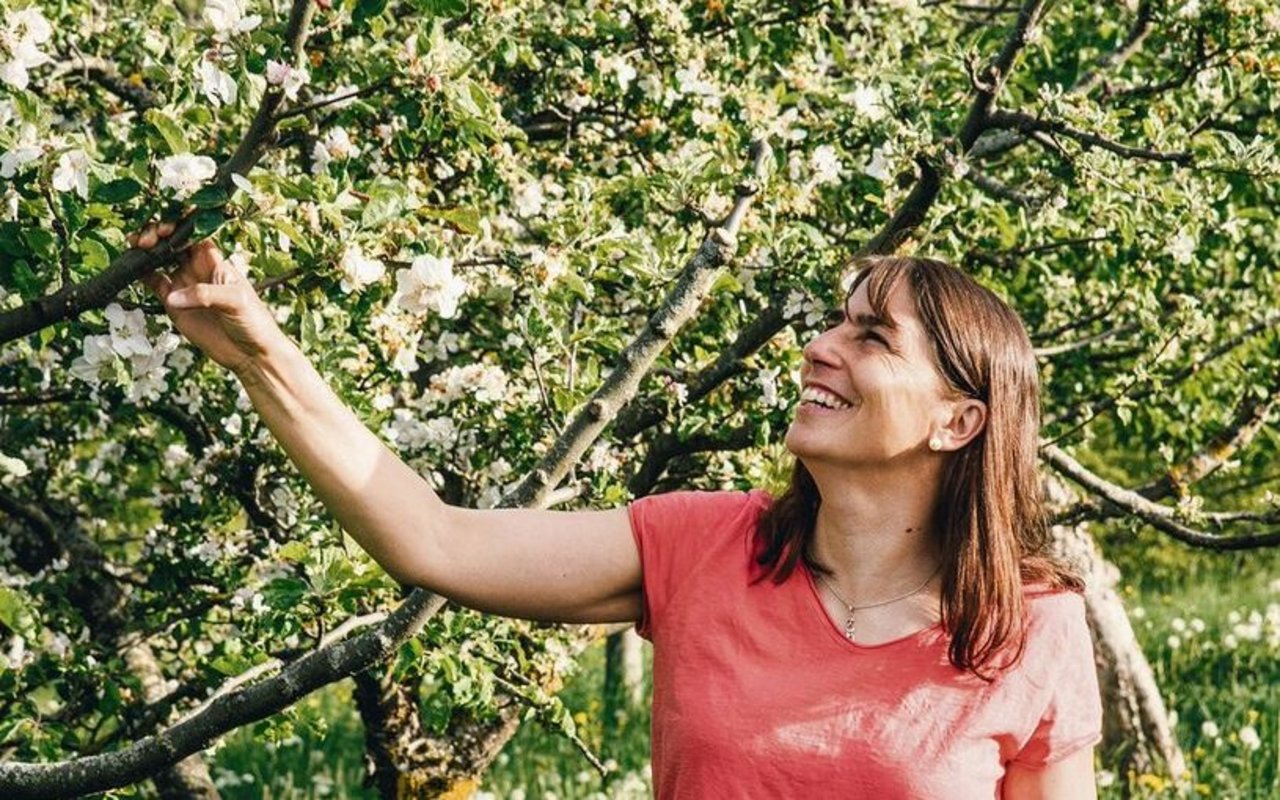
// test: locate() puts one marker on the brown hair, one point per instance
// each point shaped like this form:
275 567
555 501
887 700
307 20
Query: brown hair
990 517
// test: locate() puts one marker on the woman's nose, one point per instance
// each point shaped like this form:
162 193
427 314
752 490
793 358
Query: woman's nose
820 349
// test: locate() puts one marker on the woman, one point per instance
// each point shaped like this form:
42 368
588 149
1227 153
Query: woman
888 628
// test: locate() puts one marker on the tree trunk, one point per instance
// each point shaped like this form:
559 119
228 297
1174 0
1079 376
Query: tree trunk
403 759
189 779
1135 721
623 678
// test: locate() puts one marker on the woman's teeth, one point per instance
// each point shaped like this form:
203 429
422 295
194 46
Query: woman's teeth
826 399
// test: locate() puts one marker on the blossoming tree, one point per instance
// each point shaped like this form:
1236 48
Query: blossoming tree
507 234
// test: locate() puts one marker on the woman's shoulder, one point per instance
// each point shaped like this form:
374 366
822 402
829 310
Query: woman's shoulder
1056 612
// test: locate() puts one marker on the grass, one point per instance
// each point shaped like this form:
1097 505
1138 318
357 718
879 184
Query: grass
1211 627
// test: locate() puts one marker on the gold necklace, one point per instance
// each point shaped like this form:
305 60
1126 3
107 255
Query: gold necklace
848 624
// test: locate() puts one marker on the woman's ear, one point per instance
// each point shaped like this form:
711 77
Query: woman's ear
968 418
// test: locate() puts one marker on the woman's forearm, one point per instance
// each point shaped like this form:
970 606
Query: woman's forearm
384 504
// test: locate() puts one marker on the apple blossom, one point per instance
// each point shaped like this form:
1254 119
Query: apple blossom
358 271
227 17
218 87
290 79
429 285
184 173
72 173
21 35
826 165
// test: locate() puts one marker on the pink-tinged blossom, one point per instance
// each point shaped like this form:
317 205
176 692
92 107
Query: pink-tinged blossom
289 79
358 270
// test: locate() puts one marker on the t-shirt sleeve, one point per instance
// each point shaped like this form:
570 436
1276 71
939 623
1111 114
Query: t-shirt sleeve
673 533
1072 715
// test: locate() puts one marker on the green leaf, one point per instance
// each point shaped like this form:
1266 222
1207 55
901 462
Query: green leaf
294 551
465 219
117 191
209 197
367 9
168 130
206 222
94 255
41 243
386 203
15 612
442 8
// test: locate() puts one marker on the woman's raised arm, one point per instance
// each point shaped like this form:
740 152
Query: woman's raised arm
549 565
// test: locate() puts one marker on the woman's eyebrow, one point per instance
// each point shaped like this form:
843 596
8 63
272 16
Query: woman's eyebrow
873 321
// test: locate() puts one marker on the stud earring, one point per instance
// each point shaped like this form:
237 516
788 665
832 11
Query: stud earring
935 443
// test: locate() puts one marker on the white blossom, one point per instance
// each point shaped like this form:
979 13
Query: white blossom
866 101
13 466
358 271
768 380
289 79
1182 248
227 17
72 173
826 165
336 144
20 38
26 150
1209 729
480 382
429 285
184 173
530 199
218 87
128 331
879 165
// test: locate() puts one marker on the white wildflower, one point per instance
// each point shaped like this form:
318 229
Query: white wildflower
530 199
1249 737
184 173
1209 729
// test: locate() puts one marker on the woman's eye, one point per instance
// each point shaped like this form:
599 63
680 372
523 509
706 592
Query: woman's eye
875 337
834 318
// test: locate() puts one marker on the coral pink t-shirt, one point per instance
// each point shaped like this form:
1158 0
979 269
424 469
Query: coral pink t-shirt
756 693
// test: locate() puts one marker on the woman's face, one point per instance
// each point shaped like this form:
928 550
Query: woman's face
890 397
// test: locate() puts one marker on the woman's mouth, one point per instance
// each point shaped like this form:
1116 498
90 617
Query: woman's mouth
817 399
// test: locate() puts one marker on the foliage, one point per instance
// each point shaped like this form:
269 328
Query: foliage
467 209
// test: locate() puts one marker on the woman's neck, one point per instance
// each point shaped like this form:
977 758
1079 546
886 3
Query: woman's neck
876 533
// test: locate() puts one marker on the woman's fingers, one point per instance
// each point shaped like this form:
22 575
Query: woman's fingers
159 283
225 297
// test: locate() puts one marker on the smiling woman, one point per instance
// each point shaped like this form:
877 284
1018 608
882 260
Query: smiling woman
889 627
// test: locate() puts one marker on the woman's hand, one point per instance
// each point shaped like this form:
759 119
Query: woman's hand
211 302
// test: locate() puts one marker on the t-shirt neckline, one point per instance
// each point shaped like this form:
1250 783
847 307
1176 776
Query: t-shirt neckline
830 626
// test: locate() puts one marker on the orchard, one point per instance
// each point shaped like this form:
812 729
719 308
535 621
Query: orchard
565 254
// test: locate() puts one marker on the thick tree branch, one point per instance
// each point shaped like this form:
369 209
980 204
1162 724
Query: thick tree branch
69 302
1161 517
19 781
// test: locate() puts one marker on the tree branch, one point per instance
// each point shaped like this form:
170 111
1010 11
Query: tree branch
1160 517
69 302
1027 124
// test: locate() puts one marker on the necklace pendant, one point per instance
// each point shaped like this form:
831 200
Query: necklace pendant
848 628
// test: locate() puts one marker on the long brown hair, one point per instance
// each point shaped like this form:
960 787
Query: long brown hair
990 517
